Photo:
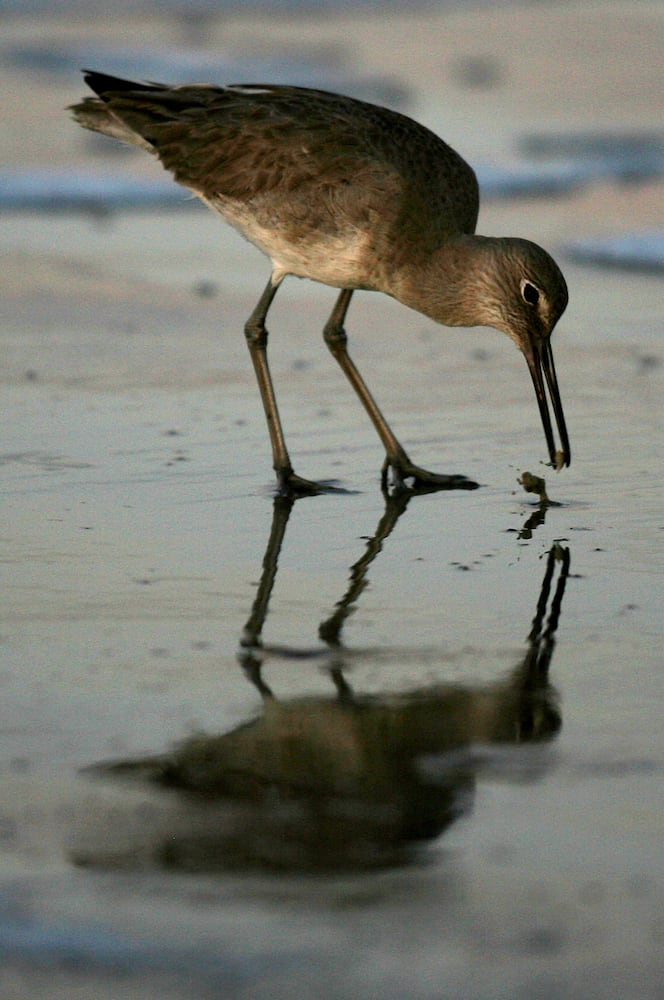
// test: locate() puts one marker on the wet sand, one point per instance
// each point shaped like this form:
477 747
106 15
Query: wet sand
137 510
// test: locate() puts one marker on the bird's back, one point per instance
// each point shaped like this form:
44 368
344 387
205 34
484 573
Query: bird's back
306 162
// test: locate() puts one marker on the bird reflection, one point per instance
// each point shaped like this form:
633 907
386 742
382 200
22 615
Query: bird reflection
347 781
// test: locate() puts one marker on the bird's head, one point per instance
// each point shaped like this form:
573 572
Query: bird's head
527 297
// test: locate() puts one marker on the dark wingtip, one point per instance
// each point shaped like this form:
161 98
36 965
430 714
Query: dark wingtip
104 83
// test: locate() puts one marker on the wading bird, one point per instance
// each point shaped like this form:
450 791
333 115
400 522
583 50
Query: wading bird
357 197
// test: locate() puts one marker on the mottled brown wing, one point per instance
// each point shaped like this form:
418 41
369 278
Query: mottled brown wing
246 141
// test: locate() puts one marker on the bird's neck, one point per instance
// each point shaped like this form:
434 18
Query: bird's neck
454 285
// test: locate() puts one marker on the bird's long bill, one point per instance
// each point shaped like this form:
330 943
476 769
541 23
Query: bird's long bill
540 363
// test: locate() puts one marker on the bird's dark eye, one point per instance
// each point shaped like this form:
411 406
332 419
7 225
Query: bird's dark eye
530 293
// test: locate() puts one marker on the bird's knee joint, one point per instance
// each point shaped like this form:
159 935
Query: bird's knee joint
255 333
335 336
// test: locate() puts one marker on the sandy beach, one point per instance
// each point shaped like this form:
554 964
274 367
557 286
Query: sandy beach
140 537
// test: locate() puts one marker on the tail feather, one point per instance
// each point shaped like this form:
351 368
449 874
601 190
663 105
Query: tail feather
109 110
93 114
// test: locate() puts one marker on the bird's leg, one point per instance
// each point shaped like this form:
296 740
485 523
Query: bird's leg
256 333
396 459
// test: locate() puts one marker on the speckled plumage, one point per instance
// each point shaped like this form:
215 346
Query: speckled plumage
354 196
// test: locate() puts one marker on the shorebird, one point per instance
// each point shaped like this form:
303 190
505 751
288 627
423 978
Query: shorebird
357 197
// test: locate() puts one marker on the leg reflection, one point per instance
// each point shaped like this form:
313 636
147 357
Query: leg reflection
251 643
